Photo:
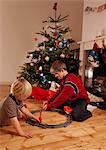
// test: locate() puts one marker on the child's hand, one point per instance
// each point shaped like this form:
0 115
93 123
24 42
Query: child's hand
14 121
36 119
27 135
45 103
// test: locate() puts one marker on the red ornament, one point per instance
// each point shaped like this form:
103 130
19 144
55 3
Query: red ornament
55 33
67 56
56 43
35 39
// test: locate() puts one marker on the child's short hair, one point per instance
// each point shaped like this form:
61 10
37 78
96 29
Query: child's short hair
57 66
21 89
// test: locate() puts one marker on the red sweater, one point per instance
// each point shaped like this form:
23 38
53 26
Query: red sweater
71 88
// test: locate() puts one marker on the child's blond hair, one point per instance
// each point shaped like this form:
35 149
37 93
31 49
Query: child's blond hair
21 89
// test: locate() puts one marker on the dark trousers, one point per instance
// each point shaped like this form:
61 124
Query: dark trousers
80 112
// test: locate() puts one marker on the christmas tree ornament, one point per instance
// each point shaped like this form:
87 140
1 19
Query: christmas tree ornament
40 68
39 58
68 45
31 64
60 44
49 82
41 74
67 56
55 33
56 43
35 39
47 58
62 55
30 56
51 49
57 24
35 60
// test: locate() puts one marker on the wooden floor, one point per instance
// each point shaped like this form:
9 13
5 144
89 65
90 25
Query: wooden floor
87 135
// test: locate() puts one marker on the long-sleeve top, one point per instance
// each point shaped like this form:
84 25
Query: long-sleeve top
71 88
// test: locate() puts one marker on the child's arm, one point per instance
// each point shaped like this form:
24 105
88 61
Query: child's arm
28 113
14 121
45 103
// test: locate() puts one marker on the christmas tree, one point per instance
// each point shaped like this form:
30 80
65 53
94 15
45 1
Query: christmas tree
55 46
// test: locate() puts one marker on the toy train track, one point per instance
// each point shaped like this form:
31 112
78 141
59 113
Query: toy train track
44 125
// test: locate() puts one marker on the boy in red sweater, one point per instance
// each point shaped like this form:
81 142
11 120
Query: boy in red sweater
70 93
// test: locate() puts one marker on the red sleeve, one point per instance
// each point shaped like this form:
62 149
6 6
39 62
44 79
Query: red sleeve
39 93
65 94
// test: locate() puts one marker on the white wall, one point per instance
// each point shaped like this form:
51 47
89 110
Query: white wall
93 23
20 19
